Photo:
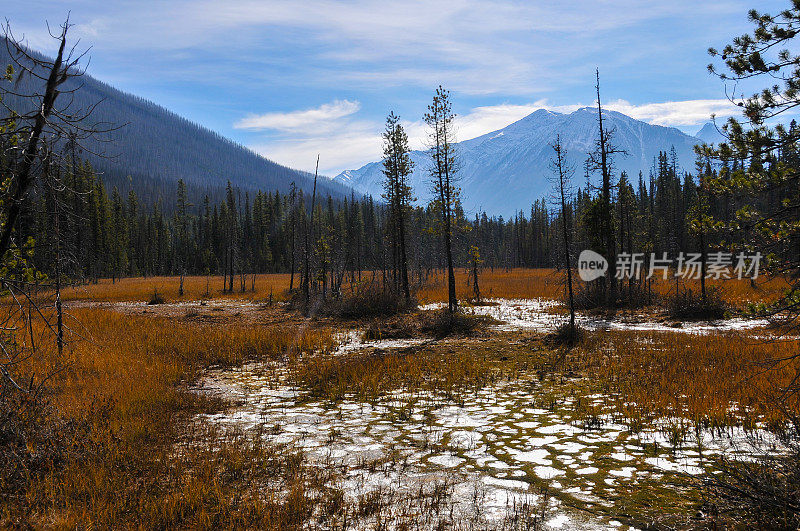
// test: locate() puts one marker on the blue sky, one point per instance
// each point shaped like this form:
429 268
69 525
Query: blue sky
291 79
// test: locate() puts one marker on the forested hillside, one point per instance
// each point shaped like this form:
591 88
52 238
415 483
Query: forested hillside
153 147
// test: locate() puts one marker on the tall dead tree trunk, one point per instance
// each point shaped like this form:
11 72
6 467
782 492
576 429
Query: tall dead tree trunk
563 174
608 229
307 248
292 240
22 179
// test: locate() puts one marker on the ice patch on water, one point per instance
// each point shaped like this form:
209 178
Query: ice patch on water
670 466
624 472
539 456
352 341
559 521
538 315
506 483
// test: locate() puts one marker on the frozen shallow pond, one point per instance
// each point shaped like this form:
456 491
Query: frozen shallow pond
537 314
477 450
496 450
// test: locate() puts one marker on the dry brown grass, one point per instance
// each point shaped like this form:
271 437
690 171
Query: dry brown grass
446 370
133 458
121 403
120 399
714 380
549 284
738 293
500 283
141 289
516 283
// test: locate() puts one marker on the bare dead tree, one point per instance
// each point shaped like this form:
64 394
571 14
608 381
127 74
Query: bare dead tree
601 159
292 223
34 137
563 175
307 247
475 262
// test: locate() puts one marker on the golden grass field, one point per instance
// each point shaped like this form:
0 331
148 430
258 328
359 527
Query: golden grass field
500 283
550 284
121 403
195 287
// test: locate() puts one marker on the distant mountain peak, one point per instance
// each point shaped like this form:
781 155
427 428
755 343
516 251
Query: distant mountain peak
710 134
504 171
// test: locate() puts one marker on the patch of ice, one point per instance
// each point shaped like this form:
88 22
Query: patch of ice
446 460
558 521
506 483
565 429
621 456
569 447
547 472
624 472
539 456
669 466
537 314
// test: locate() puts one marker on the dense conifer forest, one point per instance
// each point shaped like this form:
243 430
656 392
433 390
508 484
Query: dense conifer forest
118 233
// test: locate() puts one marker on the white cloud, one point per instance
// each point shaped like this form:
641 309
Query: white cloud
347 143
325 116
676 113
482 120
685 113
472 46
331 130
351 149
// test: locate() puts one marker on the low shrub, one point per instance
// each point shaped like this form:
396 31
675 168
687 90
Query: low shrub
589 296
592 296
687 304
398 327
34 439
442 323
156 298
763 494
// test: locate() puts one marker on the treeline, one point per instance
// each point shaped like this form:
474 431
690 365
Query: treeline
113 233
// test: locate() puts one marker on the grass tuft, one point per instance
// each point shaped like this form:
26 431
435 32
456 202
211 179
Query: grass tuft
565 336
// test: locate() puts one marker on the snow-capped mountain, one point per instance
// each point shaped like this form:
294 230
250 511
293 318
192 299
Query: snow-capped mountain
504 171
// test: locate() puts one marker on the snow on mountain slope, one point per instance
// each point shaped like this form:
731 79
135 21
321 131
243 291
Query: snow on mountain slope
504 171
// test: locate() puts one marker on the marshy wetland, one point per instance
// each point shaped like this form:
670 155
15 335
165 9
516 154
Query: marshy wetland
396 423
